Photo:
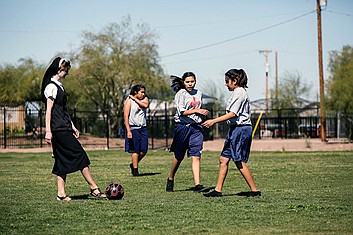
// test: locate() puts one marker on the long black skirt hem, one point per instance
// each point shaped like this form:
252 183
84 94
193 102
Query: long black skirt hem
68 153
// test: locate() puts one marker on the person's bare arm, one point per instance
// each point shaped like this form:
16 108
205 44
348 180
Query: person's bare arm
126 118
48 134
211 122
144 103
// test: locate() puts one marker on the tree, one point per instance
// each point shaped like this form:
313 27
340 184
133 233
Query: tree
20 83
291 91
213 90
339 87
111 61
8 89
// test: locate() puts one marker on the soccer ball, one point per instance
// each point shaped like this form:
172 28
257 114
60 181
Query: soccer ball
114 191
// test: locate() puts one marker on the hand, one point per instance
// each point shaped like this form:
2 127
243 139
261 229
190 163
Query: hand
129 135
76 133
208 123
48 137
203 112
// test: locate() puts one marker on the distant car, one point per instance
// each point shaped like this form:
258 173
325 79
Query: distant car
308 130
272 130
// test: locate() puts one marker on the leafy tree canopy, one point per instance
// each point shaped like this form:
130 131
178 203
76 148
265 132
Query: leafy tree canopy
339 87
111 61
291 91
20 83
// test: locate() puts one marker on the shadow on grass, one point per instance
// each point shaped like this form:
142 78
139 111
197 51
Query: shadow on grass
148 174
85 197
190 189
241 194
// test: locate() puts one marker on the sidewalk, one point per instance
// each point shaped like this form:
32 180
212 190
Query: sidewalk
257 145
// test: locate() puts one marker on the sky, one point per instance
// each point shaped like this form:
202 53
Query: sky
207 37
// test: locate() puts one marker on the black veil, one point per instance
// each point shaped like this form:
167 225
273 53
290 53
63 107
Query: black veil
49 73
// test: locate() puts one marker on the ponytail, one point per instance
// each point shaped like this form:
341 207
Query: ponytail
177 83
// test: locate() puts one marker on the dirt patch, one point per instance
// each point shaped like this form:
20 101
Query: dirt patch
215 145
287 145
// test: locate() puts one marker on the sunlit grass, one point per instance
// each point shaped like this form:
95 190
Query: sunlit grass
302 193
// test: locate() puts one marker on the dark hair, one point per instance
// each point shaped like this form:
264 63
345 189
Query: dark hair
136 88
177 83
239 76
56 65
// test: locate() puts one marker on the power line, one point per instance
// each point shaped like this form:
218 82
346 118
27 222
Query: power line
339 13
238 37
210 57
39 31
220 21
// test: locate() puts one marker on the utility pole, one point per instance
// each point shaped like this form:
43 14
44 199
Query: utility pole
321 71
266 52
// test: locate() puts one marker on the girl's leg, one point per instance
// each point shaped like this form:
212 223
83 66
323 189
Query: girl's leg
135 160
170 180
196 162
175 166
61 187
141 155
222 174
244 170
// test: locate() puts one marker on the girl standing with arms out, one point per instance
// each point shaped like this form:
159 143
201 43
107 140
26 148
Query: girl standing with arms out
238 140
136 139
61 133
188 136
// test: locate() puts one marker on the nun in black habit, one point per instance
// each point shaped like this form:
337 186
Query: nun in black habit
61 133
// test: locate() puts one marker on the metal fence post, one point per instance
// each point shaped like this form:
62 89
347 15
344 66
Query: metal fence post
41 127
5 131
166 125
107 128
151 121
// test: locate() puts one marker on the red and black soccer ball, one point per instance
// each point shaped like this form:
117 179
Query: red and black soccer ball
114 191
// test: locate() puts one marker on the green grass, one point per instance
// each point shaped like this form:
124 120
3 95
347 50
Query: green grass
303 193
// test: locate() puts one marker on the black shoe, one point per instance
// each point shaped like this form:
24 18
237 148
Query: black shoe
214 193
134 171
201 189
170 185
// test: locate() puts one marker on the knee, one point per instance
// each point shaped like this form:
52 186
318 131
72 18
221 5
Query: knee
223 161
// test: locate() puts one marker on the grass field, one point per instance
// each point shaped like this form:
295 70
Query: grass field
303 193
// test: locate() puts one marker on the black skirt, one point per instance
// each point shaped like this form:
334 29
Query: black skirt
68 153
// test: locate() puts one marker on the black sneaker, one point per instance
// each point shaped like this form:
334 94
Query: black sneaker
201 189
214 193
134 171
170 185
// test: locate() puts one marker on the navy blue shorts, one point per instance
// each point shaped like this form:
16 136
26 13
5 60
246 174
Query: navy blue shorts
237 144
139 141
187 137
